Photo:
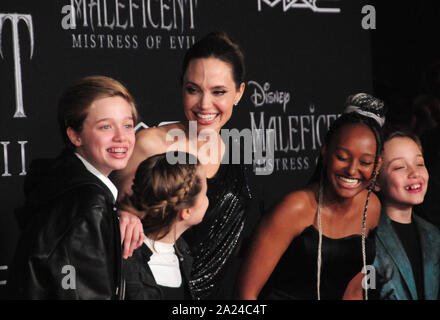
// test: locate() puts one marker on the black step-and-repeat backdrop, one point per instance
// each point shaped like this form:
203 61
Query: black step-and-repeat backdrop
303 58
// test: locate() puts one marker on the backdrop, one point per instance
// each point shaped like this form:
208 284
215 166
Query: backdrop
303 58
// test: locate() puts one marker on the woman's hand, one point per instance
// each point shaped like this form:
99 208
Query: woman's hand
132 232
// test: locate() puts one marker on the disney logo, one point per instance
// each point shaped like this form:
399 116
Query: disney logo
261 95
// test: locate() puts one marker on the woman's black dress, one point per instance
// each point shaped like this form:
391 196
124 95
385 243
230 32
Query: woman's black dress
295 276
217 242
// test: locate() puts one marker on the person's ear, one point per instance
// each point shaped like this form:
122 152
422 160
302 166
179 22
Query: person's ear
377 180
378 184
74 137
239 94
377 187
185 214
379 164
378 170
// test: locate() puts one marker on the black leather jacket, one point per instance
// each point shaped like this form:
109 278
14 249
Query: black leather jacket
140 283
70 245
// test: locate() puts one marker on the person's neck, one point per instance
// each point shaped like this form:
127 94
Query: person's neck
336 204
398 212
172 236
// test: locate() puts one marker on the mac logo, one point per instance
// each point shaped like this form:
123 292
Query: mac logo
298 4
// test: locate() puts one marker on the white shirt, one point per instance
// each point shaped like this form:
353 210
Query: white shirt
100 176
164 263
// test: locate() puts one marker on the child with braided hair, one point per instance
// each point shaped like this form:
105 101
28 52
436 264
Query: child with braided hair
317 240
169 199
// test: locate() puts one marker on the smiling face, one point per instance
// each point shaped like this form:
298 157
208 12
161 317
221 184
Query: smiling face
209 93
107 137
350 160
404 178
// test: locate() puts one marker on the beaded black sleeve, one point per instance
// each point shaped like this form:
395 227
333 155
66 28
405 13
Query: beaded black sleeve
214 240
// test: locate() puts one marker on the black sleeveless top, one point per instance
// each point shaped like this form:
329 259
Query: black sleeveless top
232 215
295 275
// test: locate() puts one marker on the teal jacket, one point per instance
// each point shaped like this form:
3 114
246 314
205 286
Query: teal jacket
394 276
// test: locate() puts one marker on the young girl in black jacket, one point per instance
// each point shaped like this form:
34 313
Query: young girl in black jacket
169 198
70 246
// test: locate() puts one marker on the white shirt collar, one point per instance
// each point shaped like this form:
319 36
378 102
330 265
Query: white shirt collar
99 175
164 263
158 246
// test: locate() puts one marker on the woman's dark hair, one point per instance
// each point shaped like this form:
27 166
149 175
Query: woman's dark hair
161 190
218 45
362 109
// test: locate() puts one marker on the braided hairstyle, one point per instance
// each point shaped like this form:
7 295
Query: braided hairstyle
364 109
360 108
161 190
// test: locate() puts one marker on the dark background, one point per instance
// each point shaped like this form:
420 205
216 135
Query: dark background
319 58
405 53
